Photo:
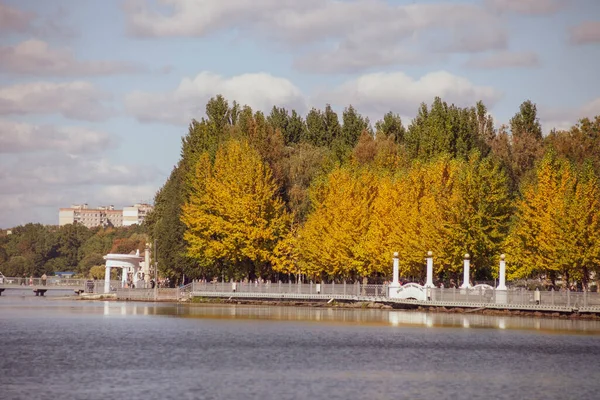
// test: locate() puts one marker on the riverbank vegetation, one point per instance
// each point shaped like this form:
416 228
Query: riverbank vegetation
332 197
36 249
273 196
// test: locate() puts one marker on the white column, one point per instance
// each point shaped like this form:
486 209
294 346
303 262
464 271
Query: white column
429 282
107 280
396 279
466 273
135 277
124 271
502 274
147 263
395 285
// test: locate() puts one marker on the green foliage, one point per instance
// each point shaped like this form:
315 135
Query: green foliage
166 229
256 194
526 121
479 214
303 164
323 127
35 249
448 129
353 126
391 126
96 272
219 114
292 126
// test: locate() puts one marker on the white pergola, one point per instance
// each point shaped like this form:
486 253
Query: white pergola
129 263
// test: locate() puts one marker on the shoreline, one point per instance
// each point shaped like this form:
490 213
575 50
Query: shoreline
356 305
402 307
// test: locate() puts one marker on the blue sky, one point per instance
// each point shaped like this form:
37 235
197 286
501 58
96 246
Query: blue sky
95 96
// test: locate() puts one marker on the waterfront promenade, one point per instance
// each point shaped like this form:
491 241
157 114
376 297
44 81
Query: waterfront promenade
482 297
474 298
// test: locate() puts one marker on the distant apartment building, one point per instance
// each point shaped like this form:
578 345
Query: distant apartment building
103 215
135 214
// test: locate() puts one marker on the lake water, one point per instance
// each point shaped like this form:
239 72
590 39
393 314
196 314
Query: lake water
67 349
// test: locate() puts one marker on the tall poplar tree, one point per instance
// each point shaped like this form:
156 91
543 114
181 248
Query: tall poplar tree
478 216
233 214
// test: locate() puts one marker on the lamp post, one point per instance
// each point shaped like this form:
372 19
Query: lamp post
429 281
146 271
155 271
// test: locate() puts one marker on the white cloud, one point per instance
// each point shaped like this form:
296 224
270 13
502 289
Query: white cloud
353 29
376 94
54 180
54 24
35 57
14 20
373 94
76 100
505 59
586 32
591 109
261 91
351 60
59 169
126 194
564 119
527 7
20 137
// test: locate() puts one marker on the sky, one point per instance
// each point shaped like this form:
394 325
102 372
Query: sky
96 95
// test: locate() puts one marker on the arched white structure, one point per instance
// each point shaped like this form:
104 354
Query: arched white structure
482 287
129 264
409 291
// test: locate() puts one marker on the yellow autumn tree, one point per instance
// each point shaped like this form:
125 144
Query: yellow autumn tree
409 217
331 242
556 233
233 214
285 254
583 217
540 202
447 206
382 238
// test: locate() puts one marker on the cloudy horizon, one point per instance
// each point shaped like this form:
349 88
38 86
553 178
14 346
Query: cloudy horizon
95 96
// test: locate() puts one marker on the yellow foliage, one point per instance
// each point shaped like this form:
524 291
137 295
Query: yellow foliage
285 255
557 230
332 241
233 213
408 217
447 206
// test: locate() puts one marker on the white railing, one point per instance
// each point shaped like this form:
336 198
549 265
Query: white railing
480 295
50 281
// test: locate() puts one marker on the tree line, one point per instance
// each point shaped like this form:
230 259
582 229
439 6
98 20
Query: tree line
273 196
36 249
277 195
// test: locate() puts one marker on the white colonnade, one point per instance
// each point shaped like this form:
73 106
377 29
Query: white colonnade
128 263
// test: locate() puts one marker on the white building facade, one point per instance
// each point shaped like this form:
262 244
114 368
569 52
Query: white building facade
135 214
103 215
